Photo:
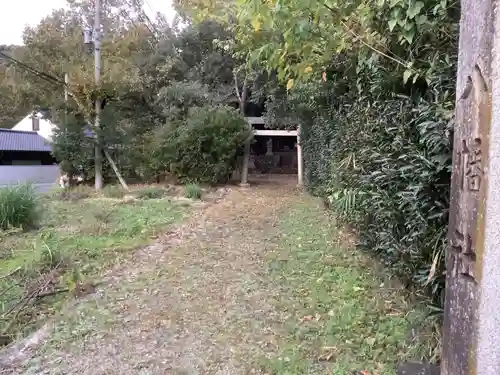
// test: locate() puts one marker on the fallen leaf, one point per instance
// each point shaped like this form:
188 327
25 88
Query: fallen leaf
306 318
289 84
309 69
323 76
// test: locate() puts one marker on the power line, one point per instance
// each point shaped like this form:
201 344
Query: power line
47 77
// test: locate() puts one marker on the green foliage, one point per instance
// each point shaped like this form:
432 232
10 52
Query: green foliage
382 162
150 193
386 172
204 147
306 35
50 257
72 148
179 97
14 98
18 207
193 191
372 84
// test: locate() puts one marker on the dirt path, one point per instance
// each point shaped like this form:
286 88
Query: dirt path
196 302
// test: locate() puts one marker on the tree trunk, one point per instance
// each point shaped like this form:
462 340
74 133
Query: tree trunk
242 98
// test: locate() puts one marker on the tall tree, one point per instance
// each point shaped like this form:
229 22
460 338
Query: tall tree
55 47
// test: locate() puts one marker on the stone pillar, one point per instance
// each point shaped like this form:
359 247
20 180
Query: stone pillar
300 160
488 346
269 147
469 346
246 160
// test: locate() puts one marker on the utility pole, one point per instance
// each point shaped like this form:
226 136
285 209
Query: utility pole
97 62
66 94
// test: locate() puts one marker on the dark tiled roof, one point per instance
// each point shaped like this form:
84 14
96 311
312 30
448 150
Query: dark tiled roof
18 140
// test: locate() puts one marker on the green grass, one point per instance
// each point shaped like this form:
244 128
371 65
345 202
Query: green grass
81 236
344 314
113 191
193 191
18 207
153 192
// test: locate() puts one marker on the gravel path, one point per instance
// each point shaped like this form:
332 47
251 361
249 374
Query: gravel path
199 301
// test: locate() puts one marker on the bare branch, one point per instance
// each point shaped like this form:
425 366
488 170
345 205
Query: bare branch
115 169
10 273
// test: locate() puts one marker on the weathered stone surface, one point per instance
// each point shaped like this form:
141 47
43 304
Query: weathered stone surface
488 348
416 368
469 188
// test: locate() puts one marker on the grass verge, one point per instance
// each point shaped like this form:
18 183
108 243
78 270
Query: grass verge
193 191
344 315
17 207
76 239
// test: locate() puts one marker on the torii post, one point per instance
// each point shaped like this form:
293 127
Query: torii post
274 133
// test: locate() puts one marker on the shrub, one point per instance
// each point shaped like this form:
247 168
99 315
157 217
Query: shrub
150 193
177 98
385 167
18 207
193 191
203 148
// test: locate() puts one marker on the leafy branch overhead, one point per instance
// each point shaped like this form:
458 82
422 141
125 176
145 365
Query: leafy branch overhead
312 33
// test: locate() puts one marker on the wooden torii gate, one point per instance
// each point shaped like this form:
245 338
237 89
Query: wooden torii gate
272 133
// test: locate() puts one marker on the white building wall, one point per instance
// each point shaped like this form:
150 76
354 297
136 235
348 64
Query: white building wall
43 177
46 127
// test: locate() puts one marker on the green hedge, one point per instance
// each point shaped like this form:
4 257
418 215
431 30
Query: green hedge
385 167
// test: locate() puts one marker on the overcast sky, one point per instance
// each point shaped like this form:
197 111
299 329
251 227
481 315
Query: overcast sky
16 14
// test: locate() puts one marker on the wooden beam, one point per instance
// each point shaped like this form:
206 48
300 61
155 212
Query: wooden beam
255 120
276 133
